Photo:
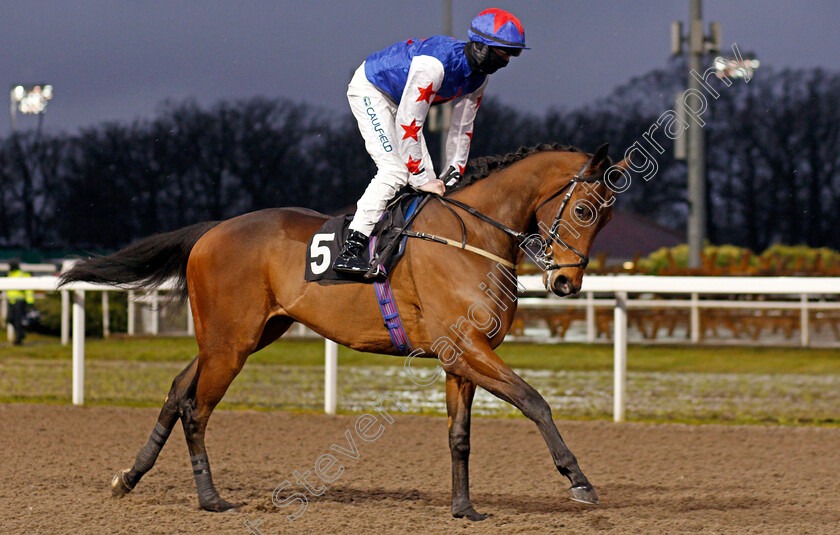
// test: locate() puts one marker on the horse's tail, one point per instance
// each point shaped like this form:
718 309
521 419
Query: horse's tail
147 263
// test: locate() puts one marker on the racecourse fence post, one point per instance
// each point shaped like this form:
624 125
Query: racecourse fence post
130 312
65 317
190 320
804 329
620 351
79 347
155 310
695 318
330 376
106 320
590 317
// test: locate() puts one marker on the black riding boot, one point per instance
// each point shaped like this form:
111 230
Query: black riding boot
350 259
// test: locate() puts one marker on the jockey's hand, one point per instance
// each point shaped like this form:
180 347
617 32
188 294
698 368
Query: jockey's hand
451 177
433 186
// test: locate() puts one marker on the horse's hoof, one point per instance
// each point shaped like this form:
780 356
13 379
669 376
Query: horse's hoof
584 494
221 506
119 487
470 514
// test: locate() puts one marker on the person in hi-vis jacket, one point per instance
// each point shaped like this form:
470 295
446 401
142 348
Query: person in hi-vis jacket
18 301
390 96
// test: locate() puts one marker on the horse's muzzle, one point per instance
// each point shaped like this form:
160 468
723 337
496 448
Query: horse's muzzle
559 284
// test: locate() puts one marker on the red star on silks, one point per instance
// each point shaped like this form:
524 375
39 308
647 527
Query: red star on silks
500 18
426 94
478 102
409 41
411 130
469 135
461 168
413 165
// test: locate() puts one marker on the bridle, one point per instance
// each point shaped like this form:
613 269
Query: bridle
547 260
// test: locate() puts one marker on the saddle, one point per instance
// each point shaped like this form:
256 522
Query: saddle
327 243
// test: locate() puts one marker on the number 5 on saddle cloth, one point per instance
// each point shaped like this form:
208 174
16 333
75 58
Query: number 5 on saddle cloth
327 243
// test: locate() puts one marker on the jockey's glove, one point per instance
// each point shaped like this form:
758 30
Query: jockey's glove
451 177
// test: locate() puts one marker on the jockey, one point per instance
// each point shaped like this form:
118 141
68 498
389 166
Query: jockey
390 95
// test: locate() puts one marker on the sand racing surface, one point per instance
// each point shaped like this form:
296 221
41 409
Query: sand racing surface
56 463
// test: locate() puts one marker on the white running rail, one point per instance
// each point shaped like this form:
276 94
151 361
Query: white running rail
619 285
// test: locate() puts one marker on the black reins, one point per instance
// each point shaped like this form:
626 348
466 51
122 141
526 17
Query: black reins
519 237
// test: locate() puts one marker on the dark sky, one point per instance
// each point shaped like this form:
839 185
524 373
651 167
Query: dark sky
117 60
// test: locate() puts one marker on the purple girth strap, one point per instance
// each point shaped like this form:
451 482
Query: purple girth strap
388 307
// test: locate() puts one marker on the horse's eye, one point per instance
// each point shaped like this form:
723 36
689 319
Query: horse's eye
580 210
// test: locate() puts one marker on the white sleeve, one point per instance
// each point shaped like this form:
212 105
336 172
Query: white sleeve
425 76
461 129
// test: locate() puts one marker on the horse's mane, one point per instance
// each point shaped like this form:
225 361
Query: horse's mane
479 168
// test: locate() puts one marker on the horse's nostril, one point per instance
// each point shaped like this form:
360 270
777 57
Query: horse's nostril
561 282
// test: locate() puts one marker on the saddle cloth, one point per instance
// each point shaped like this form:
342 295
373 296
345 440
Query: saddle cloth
326 244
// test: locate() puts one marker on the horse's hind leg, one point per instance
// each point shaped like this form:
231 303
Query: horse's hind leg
216 371
215 376
124 481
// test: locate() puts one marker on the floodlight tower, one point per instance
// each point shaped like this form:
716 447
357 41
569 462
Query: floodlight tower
698 45
440 115
446 107
29 99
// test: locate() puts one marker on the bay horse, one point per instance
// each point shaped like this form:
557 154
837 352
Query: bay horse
246 287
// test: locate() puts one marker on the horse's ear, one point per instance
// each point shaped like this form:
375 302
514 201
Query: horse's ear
622 164
600 158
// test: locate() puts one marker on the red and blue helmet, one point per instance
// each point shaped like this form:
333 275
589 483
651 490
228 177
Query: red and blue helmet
496 27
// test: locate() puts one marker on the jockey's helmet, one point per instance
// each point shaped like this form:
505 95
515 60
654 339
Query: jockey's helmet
496 27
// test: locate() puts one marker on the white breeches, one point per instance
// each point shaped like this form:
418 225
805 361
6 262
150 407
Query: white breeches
375 113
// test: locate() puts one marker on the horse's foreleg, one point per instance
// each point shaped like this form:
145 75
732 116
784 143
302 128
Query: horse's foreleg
483 367
124 481
459 397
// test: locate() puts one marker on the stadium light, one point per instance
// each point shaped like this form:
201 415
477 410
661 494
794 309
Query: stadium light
733 68
29 99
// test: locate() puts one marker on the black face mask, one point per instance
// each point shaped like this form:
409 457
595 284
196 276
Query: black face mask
482 59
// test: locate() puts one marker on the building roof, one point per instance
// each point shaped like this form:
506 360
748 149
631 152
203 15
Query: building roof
629 234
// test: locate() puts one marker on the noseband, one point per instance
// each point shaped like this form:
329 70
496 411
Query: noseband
547 260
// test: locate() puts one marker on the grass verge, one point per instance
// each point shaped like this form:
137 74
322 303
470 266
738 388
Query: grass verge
554 357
